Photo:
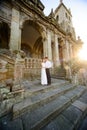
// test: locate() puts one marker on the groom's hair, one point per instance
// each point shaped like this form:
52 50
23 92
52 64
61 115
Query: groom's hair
46 57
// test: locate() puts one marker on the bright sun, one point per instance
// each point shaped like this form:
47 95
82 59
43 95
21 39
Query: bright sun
83 53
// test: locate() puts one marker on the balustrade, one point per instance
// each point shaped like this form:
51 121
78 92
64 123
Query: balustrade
32 67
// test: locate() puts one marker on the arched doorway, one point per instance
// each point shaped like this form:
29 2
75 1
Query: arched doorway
32 40
4 35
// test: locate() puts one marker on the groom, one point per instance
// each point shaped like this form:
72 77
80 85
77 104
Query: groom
48 65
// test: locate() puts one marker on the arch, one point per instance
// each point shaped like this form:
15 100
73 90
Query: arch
4 35
32 37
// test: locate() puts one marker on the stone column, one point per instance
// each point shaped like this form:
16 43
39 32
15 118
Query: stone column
68 59
67 51
56 52
49 49
64 52
19 42
71 51
15 33
44 47
18 72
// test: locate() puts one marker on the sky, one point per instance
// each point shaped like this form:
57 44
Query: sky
79 15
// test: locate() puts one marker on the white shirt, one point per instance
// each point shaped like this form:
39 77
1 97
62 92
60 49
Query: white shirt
48 64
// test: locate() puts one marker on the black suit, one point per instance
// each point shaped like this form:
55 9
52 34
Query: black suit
48 66
48 76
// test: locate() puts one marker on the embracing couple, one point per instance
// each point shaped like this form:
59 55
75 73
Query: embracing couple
45 71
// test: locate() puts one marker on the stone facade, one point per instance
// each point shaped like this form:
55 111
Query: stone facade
28 29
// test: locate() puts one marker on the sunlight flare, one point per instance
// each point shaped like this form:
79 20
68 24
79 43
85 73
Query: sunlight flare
83 53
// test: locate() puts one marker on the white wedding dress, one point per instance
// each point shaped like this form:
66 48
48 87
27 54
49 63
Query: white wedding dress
43 75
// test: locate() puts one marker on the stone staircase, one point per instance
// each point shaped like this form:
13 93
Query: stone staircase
6 55
60 106
60 73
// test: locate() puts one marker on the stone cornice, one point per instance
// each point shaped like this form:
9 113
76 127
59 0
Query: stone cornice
41 15
41 18
51 23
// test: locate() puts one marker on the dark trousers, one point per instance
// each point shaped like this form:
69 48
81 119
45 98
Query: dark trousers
48 76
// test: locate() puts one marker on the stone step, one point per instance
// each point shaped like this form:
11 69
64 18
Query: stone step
32 88
38 88
43 115
34 120
7 58
71 117
35 101
83 125
47 112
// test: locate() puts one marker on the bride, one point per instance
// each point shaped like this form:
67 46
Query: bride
43 73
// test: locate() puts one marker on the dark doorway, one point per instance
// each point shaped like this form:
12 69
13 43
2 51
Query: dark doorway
4 35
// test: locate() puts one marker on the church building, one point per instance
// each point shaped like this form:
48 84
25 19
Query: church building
24 26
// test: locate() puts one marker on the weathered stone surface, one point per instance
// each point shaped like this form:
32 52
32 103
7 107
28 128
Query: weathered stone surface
6 106
72 114
80 105
61 123
40 96
84 98
4 90
83 125
13 125
3 73
54 111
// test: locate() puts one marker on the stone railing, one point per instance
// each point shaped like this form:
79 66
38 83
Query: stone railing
32 63
3 70
32 68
